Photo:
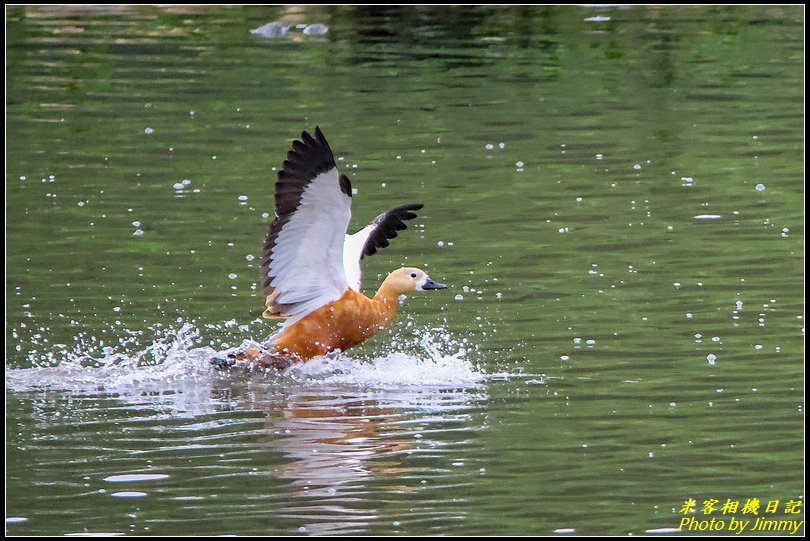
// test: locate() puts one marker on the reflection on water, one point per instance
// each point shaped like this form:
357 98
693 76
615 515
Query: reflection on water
342 443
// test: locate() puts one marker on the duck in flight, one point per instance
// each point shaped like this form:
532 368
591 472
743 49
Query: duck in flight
311 267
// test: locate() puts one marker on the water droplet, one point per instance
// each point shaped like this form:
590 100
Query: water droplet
128 494
760 187
135 477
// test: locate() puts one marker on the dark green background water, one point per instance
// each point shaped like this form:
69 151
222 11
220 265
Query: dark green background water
565 152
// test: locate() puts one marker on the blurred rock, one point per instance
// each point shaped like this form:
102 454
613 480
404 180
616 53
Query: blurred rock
316 29
274 29
278 29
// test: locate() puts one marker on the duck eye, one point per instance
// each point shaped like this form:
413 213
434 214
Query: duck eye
413 275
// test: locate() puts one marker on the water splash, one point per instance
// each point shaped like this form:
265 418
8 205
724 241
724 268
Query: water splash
174 361
415 357
394 369
168 362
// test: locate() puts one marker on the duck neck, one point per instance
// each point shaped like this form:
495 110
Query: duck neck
388 298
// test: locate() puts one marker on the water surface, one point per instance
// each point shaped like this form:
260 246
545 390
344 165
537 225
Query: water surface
615 196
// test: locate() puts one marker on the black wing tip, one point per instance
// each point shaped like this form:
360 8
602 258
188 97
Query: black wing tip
319 138
402 213
404 208
388 223
407 212
307 158
399 214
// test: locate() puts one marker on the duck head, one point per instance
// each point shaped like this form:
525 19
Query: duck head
409 279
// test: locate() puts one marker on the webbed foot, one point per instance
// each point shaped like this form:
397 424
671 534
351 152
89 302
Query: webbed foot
251 358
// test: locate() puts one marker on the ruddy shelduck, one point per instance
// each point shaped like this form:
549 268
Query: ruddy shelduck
311 267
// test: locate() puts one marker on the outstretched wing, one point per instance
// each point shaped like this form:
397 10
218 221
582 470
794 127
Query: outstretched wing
372 237
302 262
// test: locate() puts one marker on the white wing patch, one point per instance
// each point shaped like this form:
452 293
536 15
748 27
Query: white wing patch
352 252
307 259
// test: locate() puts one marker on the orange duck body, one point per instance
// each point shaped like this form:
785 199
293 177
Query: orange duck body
341 324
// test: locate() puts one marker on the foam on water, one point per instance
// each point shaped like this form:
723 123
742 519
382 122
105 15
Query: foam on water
174 361
429 357
394 369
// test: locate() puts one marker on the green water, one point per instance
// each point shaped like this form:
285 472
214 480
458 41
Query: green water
615 197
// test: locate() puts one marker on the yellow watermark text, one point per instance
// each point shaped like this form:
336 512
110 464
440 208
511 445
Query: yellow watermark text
733 525
753 516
